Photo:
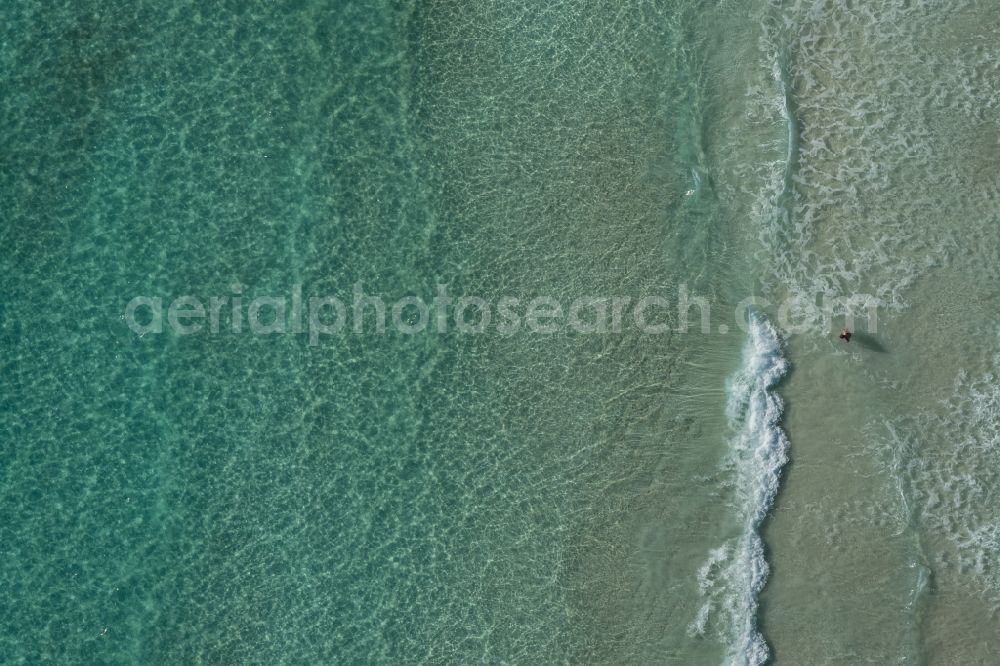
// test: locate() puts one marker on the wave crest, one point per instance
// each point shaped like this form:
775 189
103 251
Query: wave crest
735 573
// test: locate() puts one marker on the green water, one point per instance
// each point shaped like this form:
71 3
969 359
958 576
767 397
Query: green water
531 498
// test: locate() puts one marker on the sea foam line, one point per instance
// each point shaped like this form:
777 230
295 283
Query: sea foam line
736 573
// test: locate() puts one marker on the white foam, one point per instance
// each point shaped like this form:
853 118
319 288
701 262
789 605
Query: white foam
736 572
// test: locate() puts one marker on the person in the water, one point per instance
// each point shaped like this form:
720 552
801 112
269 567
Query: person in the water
845 335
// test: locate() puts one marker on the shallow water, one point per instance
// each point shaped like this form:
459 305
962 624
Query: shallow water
526 498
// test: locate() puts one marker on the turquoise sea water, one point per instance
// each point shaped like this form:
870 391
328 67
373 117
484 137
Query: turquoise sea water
734 496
